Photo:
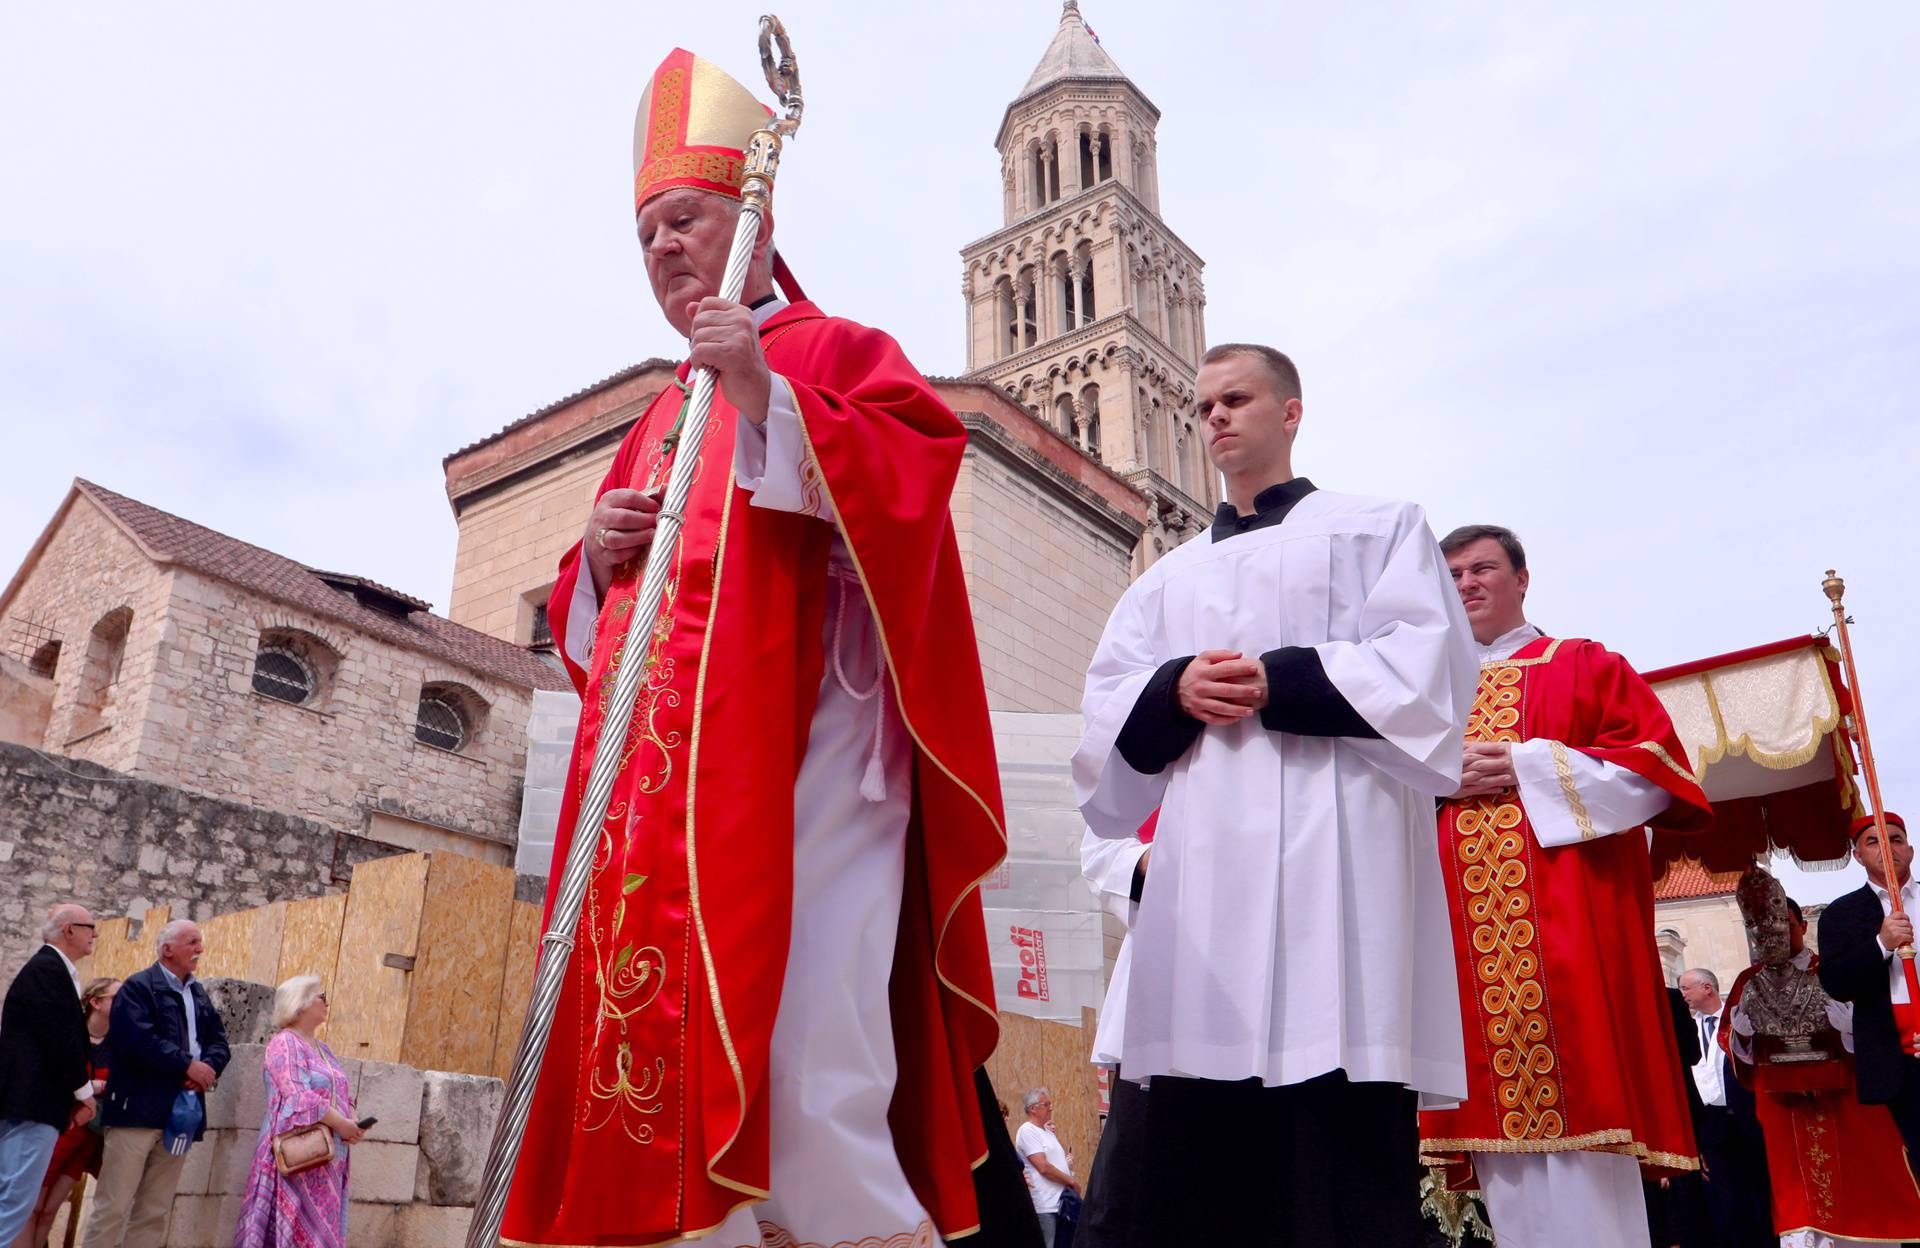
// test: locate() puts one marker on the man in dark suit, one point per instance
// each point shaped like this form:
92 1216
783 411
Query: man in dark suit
43 1063
165 1037
1677 1206
1860 937
1732 1148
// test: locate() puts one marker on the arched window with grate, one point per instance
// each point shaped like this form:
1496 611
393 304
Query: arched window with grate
283 675
441 721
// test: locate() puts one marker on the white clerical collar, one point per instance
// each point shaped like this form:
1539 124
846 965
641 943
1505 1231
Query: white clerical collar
1508 644
1802 960
766 311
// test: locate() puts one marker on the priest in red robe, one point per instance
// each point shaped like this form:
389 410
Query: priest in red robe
779 994
1837 1168
1573 1086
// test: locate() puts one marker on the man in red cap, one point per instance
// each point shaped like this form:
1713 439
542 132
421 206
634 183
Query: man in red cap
1862 960
779 994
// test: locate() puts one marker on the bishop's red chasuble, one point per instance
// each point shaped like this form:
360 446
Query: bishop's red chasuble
1835 1166
650 1121
1569 1040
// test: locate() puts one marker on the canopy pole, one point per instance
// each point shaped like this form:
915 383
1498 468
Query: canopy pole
1835 588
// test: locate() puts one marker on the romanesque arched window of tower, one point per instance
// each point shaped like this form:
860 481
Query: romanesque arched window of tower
1082 273
1087 432
1005 315
1064 417
1060 275
1026 322
1175 338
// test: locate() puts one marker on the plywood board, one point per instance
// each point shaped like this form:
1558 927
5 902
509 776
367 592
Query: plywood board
123 947
516 985
370 998
310 938
263 960
111 949
465 922
228 952
1034 1053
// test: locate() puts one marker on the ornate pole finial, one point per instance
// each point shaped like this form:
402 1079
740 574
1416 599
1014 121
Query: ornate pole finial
1834 587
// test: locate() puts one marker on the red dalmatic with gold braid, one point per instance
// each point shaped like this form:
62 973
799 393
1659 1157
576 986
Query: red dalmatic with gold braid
650 1120
1569 1041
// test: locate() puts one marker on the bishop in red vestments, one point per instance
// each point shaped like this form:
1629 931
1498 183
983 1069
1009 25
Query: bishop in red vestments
1573 1083
780 992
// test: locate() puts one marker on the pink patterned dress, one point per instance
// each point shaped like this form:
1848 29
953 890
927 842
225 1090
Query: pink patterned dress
308 1210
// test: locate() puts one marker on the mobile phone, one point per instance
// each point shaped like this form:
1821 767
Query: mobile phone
365 1123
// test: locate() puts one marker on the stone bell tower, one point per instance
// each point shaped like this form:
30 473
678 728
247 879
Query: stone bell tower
1084 306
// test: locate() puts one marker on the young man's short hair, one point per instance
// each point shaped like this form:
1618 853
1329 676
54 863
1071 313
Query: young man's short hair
1467 534
1286 378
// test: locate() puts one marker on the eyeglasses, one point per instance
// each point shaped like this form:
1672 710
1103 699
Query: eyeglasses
88 926
321 997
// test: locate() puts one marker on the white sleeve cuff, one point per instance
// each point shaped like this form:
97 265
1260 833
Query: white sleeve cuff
770 461
582 612
1108 866
1572 797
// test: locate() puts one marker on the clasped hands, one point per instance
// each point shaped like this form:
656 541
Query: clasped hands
1488 769
1222 687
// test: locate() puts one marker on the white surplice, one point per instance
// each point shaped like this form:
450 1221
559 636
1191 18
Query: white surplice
835 1176
1108 867
1297 923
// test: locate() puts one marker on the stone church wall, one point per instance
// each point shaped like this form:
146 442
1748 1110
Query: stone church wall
1042 574
89 571
350 751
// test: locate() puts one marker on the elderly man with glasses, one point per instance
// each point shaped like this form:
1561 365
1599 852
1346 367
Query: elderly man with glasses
43 1062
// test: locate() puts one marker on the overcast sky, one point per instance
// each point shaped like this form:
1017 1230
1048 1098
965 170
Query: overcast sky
1642 282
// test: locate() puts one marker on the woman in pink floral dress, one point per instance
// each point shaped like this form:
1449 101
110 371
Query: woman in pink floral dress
305 1085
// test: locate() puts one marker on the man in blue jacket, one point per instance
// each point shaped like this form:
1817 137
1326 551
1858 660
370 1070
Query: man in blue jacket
165 1038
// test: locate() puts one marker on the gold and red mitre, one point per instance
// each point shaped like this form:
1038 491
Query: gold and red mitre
692 129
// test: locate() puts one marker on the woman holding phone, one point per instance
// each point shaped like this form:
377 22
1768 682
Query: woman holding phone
306 1085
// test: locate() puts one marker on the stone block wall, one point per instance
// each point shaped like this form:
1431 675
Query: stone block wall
88 571
75 831
1042 573
349 750
411 1183
511 543
177 702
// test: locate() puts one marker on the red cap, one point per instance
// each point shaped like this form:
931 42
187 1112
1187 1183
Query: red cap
1866 821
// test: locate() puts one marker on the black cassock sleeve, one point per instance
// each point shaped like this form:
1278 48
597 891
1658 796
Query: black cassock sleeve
1300 700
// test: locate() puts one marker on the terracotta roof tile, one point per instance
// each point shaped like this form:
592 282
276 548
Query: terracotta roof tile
1686 880
174 540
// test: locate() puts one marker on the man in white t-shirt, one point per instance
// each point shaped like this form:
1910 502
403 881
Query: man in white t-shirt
1048 1170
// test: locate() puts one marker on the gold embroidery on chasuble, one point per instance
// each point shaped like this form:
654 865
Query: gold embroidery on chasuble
622 970
1501 920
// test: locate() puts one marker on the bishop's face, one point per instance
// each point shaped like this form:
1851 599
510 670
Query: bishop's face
1249 423
685 235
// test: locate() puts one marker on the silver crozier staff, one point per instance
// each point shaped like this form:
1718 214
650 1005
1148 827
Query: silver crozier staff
762 159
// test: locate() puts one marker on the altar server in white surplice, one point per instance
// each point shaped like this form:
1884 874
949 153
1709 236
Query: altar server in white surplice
1290 689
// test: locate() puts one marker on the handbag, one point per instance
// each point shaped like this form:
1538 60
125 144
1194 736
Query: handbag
302 1149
